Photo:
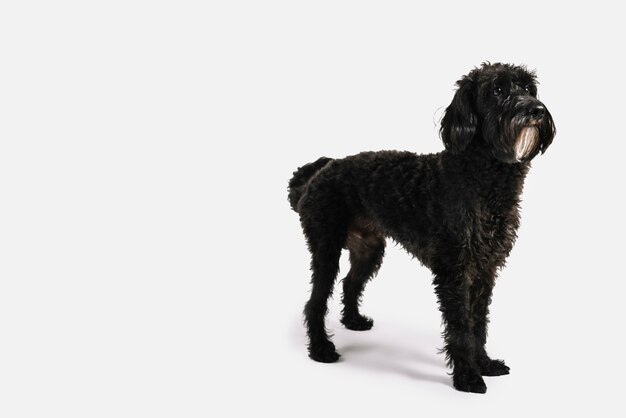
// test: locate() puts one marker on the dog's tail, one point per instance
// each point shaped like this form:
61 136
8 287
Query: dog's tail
301 178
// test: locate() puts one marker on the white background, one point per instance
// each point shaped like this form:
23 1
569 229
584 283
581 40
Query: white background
150 264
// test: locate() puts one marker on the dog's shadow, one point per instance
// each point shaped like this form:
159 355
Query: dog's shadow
388 358
390 352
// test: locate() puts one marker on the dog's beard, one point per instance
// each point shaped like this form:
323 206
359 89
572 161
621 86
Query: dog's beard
526 142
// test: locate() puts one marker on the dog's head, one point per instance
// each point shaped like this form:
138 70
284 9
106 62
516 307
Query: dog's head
497 104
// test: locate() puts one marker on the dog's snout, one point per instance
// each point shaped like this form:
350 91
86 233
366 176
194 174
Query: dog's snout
537 111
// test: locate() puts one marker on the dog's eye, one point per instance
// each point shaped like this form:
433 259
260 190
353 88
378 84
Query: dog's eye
527 88
497 91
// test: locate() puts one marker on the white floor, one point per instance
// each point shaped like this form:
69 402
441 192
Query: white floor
395 368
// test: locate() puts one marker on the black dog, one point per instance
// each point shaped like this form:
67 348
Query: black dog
456 211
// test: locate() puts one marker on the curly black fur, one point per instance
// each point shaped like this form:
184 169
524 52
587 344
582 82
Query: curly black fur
456 211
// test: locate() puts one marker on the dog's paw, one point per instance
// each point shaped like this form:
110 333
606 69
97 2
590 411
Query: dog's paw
494 368
469 380
358 323
324 353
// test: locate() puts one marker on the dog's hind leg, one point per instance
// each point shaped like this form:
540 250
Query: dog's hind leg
453 291
325 239
324 265
367 248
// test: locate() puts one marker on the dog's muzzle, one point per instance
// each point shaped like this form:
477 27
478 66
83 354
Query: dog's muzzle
536 112
528 138
526 142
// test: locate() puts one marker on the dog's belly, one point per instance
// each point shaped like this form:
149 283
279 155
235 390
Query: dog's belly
483 237
369 232
364 233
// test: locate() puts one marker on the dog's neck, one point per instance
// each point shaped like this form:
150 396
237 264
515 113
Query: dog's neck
476 165
478 154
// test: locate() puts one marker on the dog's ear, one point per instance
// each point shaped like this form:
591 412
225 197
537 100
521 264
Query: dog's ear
459 123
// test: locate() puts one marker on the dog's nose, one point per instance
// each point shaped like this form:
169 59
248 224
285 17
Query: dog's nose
537 111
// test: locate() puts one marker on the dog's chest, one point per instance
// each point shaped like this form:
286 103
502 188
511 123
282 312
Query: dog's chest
492 226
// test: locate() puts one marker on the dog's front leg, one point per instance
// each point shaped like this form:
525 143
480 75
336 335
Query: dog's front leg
480 293
453 291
